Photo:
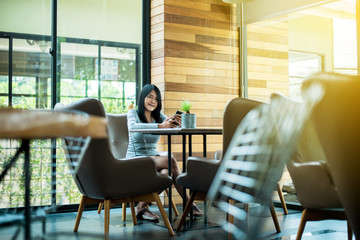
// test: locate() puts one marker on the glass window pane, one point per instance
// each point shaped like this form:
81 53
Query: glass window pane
301 65
283 51
101 20
89 31
26 25
118 76
78 70
31 73
4 72
112 89
24 16
345 58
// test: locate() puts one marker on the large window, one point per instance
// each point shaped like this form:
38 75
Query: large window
99 46
302 65
114 79
285 50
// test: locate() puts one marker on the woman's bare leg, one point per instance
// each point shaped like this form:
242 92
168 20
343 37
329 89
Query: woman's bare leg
161 163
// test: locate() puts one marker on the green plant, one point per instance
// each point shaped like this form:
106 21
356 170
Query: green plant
186 106
113 107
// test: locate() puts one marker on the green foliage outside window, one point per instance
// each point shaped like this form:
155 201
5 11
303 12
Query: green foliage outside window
12 188
78 79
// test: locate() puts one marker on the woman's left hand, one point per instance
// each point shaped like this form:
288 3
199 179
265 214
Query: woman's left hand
177 118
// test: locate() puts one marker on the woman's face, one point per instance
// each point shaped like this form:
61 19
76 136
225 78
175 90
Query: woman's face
151 101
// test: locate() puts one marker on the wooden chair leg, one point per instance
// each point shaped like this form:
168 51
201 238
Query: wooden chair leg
274 217
107 207
124 212
303 220
163 213
79 215
172 203
106 217
133 214
247 208
350 230
100 207
229 216
186 210
282 199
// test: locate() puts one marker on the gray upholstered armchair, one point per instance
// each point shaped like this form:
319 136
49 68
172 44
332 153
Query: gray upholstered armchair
119 140
312 179
101 177
336 120
234 112
255 159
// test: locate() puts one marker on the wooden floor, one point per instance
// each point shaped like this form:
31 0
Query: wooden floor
60 226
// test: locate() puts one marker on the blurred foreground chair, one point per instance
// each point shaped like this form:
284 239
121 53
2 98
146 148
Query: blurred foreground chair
101 177
255 159
26 131
312 180
234 113
337 122
201 171
119 140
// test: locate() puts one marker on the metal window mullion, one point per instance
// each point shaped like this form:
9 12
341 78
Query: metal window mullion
123 94
137 72
54 69
146 43
99 72
10 69
58 72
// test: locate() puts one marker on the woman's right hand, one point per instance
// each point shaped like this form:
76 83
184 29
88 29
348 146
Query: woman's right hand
169 123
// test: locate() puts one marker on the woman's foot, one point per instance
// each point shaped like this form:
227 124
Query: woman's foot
145 214
197 212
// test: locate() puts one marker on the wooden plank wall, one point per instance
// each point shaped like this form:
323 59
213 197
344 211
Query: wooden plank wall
268 58
268 63
194 55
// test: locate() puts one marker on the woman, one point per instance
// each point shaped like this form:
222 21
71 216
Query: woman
149 115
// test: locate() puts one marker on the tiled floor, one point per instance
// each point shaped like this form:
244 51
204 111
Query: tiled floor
60 226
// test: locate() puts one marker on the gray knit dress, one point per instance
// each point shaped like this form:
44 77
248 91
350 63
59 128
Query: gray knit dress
141 144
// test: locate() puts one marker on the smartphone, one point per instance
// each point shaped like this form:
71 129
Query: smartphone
177 112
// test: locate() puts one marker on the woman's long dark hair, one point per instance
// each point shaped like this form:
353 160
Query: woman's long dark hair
144 92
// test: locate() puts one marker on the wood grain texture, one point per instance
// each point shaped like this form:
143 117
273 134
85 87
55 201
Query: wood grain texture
195 56
267 58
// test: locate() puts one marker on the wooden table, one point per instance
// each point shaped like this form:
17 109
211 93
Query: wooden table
39 124
184 132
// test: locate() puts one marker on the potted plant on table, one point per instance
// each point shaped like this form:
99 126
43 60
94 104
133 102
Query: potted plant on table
188 120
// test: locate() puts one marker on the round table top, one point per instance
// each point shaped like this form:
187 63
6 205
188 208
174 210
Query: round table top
31 124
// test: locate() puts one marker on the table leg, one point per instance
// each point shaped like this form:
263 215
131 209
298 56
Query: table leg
204 145
11 163
169 171
190 145
190 154
26 144
184 168
53 172
205 203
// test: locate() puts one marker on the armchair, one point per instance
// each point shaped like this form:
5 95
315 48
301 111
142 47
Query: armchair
312 180
336 121
119 140
234 112
255 158
101 177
